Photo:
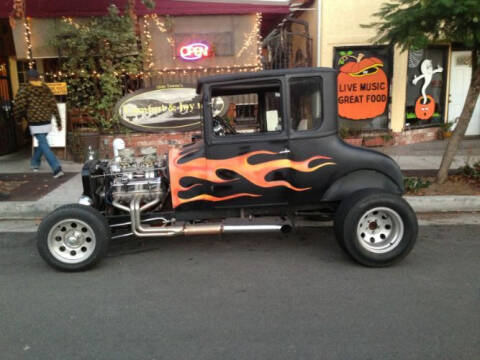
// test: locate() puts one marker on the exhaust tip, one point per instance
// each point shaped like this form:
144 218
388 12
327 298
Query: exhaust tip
286 229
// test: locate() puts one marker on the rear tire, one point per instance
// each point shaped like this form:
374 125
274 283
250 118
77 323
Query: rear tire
376 228
73 237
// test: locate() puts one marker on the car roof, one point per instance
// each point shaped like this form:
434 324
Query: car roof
260 74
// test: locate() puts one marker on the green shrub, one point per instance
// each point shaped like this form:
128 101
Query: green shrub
415 183
97 55
472 172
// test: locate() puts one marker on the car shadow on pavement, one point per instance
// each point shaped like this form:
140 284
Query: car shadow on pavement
318 242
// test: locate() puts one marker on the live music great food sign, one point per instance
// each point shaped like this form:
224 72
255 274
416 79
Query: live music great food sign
362 86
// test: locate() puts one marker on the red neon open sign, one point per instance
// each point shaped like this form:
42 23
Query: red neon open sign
195 51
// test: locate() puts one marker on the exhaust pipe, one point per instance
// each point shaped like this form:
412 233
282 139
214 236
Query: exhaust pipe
140 230
256 228
219 228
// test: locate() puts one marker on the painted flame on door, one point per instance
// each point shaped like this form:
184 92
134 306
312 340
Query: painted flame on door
203 169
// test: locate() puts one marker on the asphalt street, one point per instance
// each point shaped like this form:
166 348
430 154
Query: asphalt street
274 296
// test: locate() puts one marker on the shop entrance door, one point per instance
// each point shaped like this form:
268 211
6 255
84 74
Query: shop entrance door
461 72
7 124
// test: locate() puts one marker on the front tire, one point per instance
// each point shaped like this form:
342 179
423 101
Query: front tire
73 237
376 228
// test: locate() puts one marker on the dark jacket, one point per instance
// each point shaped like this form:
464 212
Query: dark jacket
35 102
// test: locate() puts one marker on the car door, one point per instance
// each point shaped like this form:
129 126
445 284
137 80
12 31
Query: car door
251 166
313 139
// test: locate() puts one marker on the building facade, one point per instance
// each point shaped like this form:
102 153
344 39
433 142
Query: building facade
183 40
381 88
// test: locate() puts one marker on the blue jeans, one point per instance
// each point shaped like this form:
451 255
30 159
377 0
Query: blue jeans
44 149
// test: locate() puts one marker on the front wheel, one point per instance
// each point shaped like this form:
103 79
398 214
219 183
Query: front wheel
376 228
73 237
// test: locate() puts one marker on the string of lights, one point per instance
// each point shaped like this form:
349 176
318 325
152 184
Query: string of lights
147 36
162 28
28 41
252 37
165 71
258 26
150 71
69 20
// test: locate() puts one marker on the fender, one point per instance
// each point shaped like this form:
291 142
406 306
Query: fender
346 185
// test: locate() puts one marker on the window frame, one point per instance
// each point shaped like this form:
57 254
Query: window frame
242 138
444 92
23 70
209 38
310 132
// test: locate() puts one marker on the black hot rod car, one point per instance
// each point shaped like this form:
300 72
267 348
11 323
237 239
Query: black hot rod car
276 152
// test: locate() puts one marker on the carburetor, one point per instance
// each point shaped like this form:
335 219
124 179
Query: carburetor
136 177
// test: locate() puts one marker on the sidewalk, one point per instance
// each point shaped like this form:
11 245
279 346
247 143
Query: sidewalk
426 156
20 162
68 192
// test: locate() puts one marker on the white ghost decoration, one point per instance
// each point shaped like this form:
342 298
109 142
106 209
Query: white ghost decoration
427 72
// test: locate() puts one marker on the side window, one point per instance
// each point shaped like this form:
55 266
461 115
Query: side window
247 109
305 103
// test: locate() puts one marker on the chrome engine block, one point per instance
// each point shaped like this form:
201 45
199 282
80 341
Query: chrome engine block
137 177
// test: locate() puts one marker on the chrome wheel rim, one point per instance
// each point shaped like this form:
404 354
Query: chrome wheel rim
380 230
71 241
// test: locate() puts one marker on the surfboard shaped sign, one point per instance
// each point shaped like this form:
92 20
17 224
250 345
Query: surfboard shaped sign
165 108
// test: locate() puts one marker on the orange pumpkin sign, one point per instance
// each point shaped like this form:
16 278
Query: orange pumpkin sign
424 111
362 89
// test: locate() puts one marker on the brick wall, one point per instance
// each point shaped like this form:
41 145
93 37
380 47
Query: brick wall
162 141
415 136
376 139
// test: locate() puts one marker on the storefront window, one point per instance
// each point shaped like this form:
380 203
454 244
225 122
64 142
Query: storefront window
22 68
219 44
46 67
50 67
363 91
427 74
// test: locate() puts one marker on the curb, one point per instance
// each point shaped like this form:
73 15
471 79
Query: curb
444 203
422 162
11 210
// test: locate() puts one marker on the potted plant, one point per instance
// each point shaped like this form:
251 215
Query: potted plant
83 132
446 130
350 136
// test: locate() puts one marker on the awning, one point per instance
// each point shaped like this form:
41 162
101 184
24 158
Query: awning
80 8
272 14
5 8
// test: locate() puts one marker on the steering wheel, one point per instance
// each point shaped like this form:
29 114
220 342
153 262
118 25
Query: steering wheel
222 127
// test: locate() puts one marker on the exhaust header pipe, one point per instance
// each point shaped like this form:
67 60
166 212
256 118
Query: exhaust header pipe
140 230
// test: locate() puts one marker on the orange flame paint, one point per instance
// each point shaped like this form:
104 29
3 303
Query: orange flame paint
206 169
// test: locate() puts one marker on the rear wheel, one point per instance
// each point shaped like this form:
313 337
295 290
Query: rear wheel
73 237
376 228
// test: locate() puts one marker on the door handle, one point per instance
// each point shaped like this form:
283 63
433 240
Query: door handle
284 151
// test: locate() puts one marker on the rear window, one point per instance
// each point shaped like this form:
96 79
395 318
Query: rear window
306 103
